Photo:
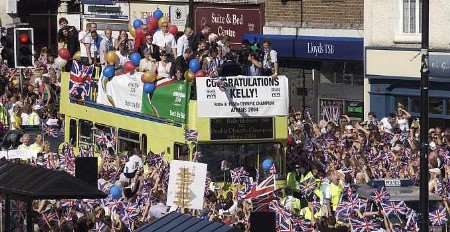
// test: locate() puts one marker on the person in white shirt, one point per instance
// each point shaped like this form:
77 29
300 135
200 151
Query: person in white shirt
387 123
403 119
270 60
26 140
147 63
34 119
86 42
183 41
106 45
164 40
26 111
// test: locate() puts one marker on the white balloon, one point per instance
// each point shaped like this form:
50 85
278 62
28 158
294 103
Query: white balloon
60 62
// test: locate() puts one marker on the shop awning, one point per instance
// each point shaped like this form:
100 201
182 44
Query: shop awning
313 47
26 182
177 222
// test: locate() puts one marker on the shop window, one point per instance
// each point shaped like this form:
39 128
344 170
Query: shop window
401 100
128 140
448 106
436 105
85 128
73 132
415 105
354 109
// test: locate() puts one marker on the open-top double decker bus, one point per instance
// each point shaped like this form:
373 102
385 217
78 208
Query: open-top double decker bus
242 120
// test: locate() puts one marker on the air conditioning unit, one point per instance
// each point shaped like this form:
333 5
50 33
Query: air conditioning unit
11 6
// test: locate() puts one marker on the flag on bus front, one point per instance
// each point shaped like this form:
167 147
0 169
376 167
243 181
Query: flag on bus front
80 80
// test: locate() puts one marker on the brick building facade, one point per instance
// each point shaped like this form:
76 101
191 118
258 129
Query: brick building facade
320 47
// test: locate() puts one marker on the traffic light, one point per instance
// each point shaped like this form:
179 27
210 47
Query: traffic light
23 47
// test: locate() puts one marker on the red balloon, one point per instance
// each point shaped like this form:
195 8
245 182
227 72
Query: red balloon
64 53
200 73
23 38
152 23
129 67
139 38
173 29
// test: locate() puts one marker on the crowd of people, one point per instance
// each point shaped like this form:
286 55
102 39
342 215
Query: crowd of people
326 160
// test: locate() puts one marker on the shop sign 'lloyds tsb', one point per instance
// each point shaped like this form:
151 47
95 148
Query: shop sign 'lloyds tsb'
230 21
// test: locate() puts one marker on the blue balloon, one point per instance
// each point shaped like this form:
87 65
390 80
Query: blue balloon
137 23
115 192
267 164
149 87
158 14
194 65
109 71
135 58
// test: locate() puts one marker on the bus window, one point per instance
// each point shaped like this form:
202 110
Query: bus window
128 140
181 151
73 132
144 143
98 131
85 130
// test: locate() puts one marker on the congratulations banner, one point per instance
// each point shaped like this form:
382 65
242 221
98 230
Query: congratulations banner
242 96
168 100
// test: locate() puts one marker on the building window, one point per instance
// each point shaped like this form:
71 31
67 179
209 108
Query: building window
85 130
436 105
448 106
415 105
411 16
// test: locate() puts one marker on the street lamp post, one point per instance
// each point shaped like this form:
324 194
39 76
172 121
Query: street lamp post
424 220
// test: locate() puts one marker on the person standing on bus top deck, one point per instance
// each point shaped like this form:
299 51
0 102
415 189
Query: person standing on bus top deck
86 42
165 40
199 37
152 49
254 69
106 45
269 60
183 41
181 65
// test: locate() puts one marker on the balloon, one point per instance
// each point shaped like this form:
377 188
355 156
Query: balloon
132 31
201 73
163 20
173 29
77 55
189 75
139 38
135 58
108 71
111 57
152 23
148 77
115 192
194 65
60 62
137 23
149 87
267 164
158 14
64 53
129 67
23 38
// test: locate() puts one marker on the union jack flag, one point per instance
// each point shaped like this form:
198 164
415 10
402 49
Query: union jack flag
191 135
49 130
308 186
300 224
101 138
392 207
80 80
380 196
438 217
261 204
363 225
273 169
239 175
85 151
283 221
411 222
266 187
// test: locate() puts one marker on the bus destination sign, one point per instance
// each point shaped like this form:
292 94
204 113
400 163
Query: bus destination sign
241 128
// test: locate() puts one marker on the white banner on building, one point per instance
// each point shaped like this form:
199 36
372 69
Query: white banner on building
242 96
124 92
187 182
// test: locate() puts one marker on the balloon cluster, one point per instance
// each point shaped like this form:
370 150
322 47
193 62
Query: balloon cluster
194 70
63 57
153 23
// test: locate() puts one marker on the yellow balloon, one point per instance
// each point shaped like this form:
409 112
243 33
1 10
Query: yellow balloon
189 75
148 77
132 30
111 57
76 56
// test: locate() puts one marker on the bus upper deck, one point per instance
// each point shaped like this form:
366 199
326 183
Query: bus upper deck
168 121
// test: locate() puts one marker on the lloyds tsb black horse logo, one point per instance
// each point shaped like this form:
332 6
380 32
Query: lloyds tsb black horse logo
178 13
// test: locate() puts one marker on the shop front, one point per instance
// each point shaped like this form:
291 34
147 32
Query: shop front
325 73
233 21
398 82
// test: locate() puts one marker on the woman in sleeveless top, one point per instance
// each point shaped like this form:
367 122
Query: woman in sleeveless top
163 68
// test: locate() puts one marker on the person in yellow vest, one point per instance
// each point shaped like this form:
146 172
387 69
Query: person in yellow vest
335 189
293 180
290 202
309 212
33 118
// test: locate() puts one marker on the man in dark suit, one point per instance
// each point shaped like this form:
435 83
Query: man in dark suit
199 37
181 64
148 44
